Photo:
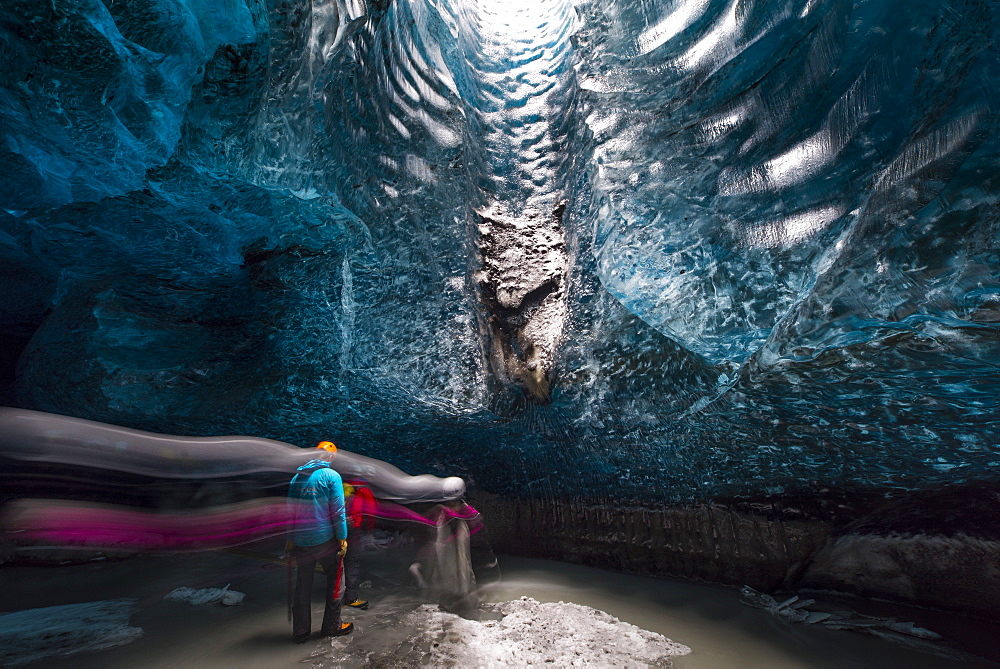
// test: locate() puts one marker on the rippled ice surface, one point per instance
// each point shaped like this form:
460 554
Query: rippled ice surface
680 248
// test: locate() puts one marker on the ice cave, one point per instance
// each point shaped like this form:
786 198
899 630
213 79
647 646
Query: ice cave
702 292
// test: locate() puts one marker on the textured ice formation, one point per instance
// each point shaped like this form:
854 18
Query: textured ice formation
777 170
95 93
796 610
675 248
55 631
202 596
521 56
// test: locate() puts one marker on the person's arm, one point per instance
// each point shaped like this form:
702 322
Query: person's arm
338 514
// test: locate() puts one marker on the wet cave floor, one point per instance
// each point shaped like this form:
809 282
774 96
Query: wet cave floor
403 629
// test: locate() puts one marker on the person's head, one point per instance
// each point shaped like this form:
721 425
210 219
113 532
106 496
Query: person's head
327 450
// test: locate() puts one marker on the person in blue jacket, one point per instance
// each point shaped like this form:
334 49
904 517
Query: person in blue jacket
318 535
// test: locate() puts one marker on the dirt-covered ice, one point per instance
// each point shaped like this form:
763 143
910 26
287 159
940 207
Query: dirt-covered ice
520 633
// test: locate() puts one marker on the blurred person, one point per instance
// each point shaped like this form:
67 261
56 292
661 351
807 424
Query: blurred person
361 508
318 535
456 557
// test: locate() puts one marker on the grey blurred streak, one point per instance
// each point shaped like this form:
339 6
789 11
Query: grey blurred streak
35 436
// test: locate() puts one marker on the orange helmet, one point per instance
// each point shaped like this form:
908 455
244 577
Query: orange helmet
327 446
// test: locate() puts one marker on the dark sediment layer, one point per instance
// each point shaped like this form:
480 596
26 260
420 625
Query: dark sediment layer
936 548
710 543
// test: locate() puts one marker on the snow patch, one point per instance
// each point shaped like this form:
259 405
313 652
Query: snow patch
521 633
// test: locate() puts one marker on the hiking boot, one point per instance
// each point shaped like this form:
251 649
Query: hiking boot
300 638
345 628
359 603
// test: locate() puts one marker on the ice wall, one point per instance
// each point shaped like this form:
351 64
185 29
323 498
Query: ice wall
675 249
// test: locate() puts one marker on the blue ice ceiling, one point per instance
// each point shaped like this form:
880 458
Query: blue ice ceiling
684 249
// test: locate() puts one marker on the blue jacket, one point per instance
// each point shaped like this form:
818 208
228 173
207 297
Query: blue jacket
316 498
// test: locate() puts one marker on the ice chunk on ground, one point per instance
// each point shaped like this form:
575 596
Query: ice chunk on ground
197 597
903 633
52 631
530 633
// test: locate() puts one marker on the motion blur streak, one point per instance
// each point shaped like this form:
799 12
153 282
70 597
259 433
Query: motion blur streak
50 523
33 436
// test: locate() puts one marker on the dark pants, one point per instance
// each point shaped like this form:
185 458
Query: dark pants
306 558
352 564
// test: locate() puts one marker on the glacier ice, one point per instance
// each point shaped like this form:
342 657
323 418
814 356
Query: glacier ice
200 596
680 248
35 634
